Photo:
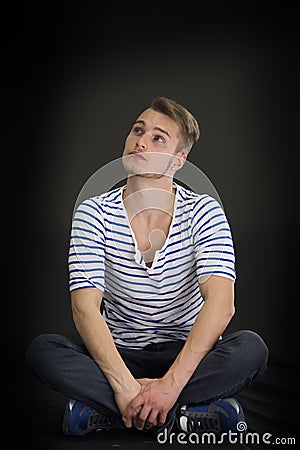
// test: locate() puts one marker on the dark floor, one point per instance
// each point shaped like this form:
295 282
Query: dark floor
270 407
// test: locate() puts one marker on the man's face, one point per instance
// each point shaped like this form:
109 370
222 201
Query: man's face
151 144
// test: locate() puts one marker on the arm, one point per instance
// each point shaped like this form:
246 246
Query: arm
98 340
157 397
214 317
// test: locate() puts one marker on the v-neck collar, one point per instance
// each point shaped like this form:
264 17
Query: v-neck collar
138 254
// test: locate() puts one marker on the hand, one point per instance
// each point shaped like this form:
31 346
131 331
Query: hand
124 397
151 406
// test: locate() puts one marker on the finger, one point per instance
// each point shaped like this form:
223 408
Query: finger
129 418
151 420
134 421
127 422
135 404
162 417
142 417
135 417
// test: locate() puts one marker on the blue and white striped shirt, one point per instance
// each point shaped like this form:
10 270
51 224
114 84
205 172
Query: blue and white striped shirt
144 305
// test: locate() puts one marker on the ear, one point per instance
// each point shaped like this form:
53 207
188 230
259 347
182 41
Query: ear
179 160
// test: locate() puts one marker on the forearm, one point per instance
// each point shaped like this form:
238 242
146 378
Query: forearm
207 328
158 396
97 337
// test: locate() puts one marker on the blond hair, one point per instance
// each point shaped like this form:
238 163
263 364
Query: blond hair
187 123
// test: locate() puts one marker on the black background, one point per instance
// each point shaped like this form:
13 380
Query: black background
78 77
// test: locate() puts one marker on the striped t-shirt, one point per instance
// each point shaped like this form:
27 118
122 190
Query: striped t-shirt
144 305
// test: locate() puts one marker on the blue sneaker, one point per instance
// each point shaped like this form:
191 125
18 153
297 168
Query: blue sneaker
80 419
217 417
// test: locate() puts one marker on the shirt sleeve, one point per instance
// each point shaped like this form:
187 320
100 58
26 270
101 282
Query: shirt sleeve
87 247
213 244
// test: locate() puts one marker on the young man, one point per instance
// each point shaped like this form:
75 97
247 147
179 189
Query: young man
158 260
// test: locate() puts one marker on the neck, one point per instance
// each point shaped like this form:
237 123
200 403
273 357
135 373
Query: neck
137 183
149 197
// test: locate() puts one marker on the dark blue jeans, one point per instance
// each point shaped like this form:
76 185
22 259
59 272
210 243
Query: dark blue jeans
66 366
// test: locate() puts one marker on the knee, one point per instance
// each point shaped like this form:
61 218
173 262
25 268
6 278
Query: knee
38 349
255 349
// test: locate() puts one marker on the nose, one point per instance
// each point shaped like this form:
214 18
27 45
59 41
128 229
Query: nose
142 142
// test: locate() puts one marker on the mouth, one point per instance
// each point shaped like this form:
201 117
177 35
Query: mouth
137 154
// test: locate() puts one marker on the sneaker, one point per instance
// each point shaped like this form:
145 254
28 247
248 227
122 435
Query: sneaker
219 416
80 419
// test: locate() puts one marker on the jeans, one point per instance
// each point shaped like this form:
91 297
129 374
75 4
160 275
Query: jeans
64 365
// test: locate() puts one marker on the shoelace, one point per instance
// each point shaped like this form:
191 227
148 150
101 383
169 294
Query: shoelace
203 422
99 421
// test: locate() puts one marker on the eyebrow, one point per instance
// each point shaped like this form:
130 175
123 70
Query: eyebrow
155 128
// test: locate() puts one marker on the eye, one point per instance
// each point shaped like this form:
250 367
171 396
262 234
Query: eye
159 138
137 130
